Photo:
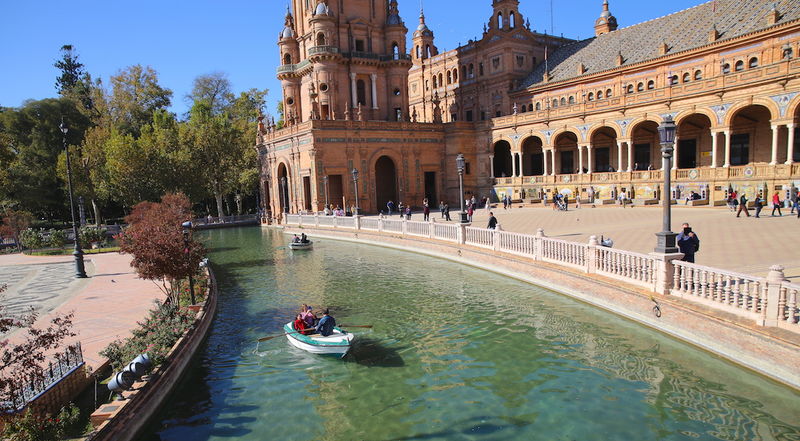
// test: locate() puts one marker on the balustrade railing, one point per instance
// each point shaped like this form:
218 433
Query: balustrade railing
769 301
738 293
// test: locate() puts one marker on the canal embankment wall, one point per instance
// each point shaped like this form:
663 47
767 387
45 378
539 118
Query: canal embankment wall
641 288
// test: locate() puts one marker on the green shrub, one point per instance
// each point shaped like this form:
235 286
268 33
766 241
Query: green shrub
33 427
57 238
91 235
32 239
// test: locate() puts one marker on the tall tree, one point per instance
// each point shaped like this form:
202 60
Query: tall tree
214 89
135 96
71 70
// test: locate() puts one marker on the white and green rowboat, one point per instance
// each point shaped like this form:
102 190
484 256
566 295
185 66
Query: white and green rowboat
336 344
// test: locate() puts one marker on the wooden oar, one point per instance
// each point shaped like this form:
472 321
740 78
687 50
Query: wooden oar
276 336
354 326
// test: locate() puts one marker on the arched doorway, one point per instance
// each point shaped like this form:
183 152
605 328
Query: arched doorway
646 142
604 146
566 153
532 157
284 188
502 160
385 182
694 142
751 136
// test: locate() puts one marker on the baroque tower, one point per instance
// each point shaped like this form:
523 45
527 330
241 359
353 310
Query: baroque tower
606 22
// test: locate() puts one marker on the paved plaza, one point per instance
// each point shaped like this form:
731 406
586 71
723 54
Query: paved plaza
107 305
746 245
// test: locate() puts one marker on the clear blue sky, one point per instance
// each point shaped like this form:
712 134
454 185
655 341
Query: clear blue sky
182 39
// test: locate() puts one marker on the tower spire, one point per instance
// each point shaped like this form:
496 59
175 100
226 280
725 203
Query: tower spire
606 22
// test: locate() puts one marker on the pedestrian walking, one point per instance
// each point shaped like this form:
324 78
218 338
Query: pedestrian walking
509 202
793 198
472 201
401 209
390 207
408 212
759 204
565 198
470 211
688 243
488 204
623 199
733 200
426 210
441 208
446 211
505 203
492 221
743 206
776 204
578 201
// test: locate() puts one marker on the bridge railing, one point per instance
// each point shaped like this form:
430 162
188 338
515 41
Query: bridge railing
769 301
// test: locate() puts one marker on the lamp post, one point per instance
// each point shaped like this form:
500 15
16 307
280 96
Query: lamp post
187 228
325 182
80 270
285 195
460 165
355 187
666 238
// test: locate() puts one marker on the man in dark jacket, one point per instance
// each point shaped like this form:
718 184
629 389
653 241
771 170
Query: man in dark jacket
743 206
492 221
688 243
326 324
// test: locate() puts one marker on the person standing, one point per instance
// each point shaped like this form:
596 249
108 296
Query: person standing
390 207
623 199
759 204
472 202
743 206
426 210
488 204
441 208
401 209
492 221
776 204
446 211
470 212
688 243
408 212
591 196
578 201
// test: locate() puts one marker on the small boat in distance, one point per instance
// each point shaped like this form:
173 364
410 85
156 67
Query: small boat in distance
336 344
301 245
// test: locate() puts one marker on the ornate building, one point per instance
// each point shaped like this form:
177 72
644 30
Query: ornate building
533 114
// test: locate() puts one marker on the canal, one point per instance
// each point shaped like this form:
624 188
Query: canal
456 353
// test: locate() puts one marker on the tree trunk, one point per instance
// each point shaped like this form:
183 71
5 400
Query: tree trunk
218 197
97 219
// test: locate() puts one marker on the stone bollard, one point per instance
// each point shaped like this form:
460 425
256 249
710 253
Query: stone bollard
357 222
664 271
496 238
316 219
537 241
462 233
591 258
769 312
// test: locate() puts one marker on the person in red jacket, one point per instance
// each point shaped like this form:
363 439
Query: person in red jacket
776 204
300 325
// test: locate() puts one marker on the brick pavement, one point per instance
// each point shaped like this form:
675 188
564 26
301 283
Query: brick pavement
106 306
745 245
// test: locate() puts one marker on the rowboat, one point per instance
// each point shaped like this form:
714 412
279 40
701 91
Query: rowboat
301 245
336 344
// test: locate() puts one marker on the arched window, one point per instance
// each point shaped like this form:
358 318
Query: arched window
449 77
629 89
673 80
686 77
563 101
287 59
441 80
512 20
524 108
698 75
590 97
753 63
480 69
435 82
609 94
427 85
499 20
320 39
640 87
555 103
471 71
395 51
651 85
418 53
361 92
726 68
599 94
739 66
455 75
538 106
427 51
572 100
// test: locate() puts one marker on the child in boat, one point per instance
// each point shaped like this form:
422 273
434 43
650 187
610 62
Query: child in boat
300 325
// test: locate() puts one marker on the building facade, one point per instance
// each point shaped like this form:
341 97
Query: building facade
533 114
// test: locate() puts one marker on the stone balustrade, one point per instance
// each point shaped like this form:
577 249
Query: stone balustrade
768 301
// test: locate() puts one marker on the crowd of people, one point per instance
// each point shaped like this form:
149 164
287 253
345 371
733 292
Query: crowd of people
738 203
308 323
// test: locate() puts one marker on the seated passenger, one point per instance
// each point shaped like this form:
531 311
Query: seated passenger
326 324
300 325
296 239
307 316
304 238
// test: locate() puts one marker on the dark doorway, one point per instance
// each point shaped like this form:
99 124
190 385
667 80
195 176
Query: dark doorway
502 160
430 188
740 149
536 164
567 162
641 156
687 153
602 159
307 192
385 182
284 188
796 145
336 191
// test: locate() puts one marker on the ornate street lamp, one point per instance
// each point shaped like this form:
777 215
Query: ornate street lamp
187 228
325 182
355 187
80 270
285 195
460 165
666 238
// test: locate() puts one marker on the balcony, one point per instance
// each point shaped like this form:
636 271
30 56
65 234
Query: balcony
323 50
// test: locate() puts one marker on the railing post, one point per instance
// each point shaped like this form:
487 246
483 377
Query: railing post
591 255
537 244
432 228
299 220
404 227
462 233
316 219
357 222
775 280
496 238
665 271
380 224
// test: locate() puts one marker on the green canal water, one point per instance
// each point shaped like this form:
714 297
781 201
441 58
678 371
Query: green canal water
456 353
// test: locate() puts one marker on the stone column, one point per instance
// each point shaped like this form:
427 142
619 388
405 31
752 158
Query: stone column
591 257
665 272
553 162
775 132
491 166
590 165
619 155
630 156
790 145
727 148
354 92
374 78
769 314
546 168
514 164
714 148
580 159
675 153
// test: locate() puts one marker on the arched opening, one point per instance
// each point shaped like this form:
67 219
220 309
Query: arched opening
646 144
502 160
572 100
753 62
435 82
532 157
538 106
320 39
385 182
563 101
796 148
651 85
604 150
418 52
361 92
609 94
455 75
698 75
287 59
751 136
284 188
512 20
395 51
441 80
694 142
566 153
471 71
449 77
500 23
640 87
427 51
686 77
739 66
